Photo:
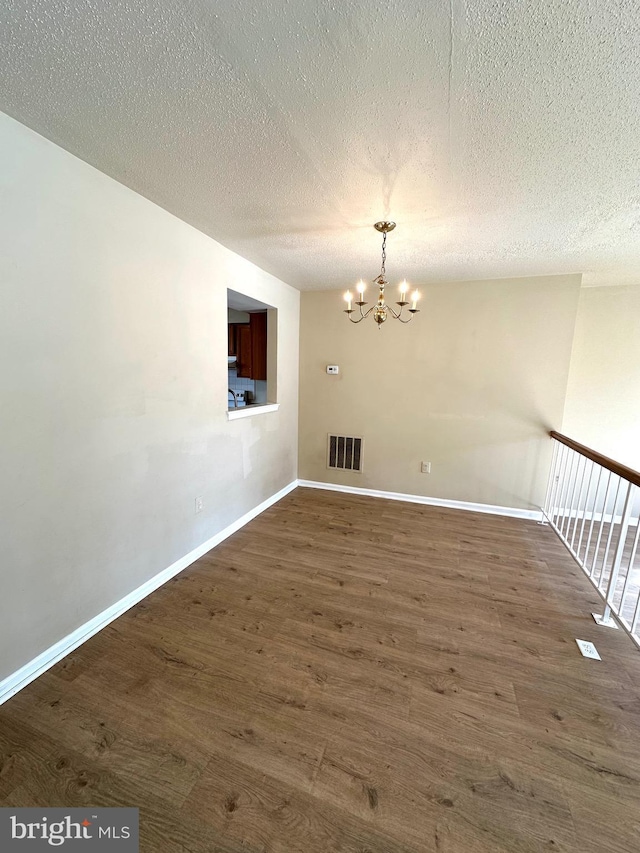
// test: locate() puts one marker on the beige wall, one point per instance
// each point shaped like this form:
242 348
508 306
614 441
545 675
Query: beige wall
603 394
113 385
471 385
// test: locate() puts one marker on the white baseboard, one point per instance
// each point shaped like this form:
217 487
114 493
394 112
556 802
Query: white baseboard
30 671
528 514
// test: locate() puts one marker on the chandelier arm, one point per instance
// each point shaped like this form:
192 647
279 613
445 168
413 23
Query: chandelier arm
363 314
398 314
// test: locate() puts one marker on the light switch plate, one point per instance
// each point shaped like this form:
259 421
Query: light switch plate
333 369
588 649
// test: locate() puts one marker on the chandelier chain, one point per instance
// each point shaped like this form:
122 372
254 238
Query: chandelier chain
384 253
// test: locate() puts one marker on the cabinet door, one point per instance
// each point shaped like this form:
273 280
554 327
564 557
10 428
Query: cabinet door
258 325
243 342
232 338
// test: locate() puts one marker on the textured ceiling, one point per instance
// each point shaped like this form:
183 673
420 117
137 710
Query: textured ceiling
502 136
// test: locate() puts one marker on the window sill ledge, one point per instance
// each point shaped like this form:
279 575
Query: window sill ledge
250 411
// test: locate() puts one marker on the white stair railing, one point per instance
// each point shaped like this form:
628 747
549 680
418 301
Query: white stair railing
593 504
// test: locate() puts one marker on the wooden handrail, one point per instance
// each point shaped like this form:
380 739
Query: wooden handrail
610 464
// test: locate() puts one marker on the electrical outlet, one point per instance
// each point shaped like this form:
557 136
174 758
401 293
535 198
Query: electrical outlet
333 369
588 649
425 467
199 505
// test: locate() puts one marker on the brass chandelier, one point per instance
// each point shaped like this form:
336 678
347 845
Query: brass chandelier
381 310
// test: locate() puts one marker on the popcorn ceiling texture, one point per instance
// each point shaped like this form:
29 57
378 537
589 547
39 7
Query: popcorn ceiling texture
503 137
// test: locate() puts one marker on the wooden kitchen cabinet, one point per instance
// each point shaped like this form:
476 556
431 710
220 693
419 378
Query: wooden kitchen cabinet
243 351
248 342
232 328
258 326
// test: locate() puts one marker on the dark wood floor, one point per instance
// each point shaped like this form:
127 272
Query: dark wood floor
320 683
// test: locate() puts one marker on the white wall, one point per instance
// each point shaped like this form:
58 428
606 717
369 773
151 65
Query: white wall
472 385
113 384
603 394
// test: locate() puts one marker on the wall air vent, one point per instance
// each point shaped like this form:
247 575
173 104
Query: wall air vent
344 452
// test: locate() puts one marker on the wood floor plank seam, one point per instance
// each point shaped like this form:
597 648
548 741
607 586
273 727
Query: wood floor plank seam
321 683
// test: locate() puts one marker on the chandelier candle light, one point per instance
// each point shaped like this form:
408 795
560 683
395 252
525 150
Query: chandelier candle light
381 310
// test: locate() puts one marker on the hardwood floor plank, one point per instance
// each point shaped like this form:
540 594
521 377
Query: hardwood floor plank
349 674
264 814
110 741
